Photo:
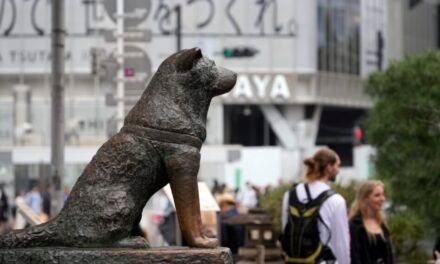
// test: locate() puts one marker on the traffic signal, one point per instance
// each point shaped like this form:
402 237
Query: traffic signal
239 52
358 135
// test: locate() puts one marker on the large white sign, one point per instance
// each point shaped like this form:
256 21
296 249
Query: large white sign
280 32
33 55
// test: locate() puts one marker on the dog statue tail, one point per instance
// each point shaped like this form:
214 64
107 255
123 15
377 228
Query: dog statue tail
37 236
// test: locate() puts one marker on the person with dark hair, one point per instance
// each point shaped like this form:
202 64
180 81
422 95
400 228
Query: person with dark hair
4 208
34 200
232 236
370 238
332 232
436 251
46 204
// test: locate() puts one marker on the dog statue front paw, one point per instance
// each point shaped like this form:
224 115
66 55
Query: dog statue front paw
203 242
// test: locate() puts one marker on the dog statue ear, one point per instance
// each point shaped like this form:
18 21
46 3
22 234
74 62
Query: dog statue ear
187 59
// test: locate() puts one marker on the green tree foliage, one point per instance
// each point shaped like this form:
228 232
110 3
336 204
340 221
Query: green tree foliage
405 227
406 230
271 204
404 126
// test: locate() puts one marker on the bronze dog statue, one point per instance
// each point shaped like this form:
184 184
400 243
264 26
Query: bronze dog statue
158 144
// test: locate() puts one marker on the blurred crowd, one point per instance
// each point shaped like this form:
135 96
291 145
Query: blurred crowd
36 203
159 219
245 198
233 203
159 222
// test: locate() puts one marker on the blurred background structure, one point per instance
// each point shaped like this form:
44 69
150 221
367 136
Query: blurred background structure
300 65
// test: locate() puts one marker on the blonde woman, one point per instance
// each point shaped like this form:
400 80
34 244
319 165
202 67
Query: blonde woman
370 242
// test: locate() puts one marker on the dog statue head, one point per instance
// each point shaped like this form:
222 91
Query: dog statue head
179 94
215 80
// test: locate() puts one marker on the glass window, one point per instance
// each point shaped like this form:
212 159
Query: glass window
338 36
246 125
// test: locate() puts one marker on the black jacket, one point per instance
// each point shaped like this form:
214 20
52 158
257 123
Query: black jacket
360 248
3 207
436 247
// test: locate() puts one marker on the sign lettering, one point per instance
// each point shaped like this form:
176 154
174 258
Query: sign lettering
261 88
280 87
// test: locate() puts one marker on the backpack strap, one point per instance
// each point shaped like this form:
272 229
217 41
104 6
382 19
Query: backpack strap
322 197
309 196
320 200
326 253
293 197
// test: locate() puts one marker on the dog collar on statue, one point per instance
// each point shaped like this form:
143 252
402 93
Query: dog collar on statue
162 135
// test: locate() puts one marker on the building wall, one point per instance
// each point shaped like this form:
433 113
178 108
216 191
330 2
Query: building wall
420 28
395 30
88 118
284 72
412 30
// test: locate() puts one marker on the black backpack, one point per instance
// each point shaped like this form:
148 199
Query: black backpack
300 239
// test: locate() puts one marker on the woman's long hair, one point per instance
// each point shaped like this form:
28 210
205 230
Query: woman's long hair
316 165
359 206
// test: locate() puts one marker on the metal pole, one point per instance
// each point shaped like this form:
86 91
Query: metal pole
120 89
179 28
57 123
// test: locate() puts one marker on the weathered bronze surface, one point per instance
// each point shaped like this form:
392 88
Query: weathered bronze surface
158 144
175 255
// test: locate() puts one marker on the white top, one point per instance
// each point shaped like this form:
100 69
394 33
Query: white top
247 197
334 214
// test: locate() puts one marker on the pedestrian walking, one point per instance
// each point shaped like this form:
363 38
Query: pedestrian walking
247 197
436 250
314 217
370 238
47 201
19 222
4 210
232 236
34 199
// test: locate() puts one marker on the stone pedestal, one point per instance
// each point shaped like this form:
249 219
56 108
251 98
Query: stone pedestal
181 255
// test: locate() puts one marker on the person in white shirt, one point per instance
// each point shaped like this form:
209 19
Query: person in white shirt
321 169
247 197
